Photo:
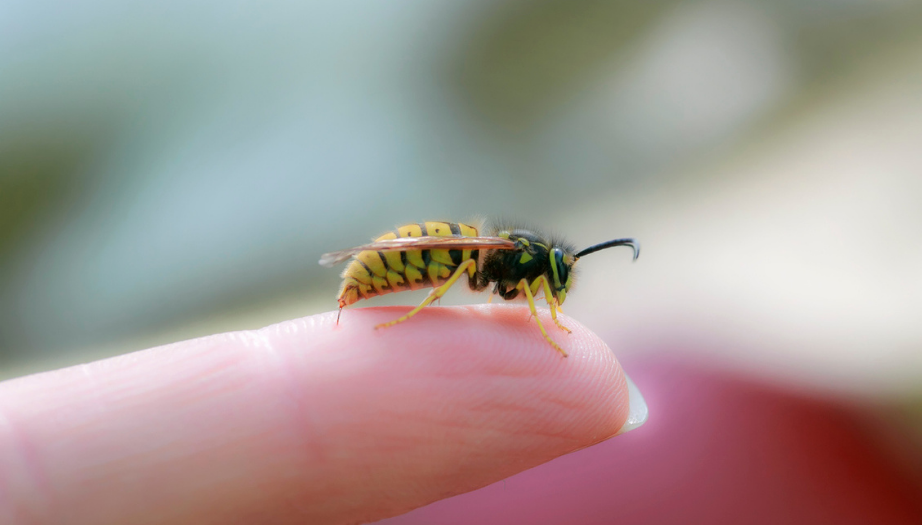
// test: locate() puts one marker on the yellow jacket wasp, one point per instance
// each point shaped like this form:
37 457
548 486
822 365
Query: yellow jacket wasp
437 254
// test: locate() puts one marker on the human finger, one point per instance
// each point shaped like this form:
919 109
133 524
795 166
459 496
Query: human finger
305 421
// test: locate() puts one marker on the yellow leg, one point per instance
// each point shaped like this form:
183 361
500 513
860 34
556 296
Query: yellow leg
434 294
550 298
523 285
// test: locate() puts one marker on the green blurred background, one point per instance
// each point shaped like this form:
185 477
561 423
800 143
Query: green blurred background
175 169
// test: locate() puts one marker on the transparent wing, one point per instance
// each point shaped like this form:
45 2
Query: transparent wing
403 244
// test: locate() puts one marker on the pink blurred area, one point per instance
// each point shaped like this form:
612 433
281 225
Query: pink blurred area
716 449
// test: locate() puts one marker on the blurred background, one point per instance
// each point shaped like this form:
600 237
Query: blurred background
174 169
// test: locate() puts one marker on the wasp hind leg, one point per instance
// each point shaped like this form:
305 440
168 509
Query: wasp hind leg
551 300
525 287
435 294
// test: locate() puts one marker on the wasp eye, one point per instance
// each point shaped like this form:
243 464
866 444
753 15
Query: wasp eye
562 267
559 269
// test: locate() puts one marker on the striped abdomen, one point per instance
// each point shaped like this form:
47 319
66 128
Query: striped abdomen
374 273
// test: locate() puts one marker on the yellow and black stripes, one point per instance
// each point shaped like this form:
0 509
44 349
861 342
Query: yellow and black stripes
374 273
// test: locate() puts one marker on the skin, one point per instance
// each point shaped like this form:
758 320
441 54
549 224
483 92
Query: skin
304 421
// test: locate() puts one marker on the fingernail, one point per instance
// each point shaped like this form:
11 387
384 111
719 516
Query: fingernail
637 415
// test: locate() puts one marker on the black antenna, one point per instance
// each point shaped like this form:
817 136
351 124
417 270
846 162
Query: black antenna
609 244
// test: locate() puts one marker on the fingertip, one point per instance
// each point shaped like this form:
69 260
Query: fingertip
479 343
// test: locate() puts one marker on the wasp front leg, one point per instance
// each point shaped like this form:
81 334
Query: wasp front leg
525 287
551 299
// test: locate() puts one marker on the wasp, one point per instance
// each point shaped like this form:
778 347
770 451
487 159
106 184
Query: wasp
437 254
